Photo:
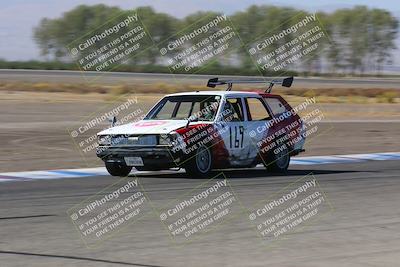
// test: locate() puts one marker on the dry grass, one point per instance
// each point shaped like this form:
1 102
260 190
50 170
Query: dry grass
326 95
388 97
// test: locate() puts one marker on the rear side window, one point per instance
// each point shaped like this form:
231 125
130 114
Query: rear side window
256 109
276 106
233 110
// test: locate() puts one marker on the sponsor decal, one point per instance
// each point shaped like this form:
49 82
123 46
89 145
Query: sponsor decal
149 123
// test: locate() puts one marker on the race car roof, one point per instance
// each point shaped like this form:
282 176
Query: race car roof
221 93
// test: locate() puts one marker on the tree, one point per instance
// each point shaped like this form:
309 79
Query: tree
360 38
54 35
382 33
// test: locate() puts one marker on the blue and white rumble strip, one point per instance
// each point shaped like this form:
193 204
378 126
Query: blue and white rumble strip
87 172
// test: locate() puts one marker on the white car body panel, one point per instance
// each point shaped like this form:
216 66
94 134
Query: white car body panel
147 127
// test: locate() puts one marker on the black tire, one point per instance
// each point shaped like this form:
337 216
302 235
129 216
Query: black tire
118 169
200 165
278 162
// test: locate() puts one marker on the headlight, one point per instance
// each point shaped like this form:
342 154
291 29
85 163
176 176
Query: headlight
168 139
164 139
104 140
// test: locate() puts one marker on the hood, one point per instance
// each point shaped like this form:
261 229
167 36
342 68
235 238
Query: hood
146 127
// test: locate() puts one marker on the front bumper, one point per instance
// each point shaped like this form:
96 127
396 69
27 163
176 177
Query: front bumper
158 156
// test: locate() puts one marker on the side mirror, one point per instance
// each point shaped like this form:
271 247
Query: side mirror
113 120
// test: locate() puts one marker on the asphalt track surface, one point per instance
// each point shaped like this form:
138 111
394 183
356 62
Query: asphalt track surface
144 78
361 230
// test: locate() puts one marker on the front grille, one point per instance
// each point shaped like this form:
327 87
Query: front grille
134 140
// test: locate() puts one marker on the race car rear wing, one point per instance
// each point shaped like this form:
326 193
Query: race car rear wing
286 82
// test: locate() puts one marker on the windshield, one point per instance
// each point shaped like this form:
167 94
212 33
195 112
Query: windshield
195 107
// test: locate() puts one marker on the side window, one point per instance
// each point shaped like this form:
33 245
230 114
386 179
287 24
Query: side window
256 109
275 105
233 110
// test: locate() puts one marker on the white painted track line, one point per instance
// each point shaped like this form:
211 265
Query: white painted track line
99 171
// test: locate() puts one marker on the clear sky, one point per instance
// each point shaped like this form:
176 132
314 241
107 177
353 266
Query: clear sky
18 17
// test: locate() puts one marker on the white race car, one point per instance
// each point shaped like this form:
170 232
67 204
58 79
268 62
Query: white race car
205 130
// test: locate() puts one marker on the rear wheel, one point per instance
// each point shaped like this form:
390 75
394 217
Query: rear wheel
118 169
279 162
200 165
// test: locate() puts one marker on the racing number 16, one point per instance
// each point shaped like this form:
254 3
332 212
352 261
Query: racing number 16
236 134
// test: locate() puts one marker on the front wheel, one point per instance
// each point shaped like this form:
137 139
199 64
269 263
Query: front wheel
118 169
201 164
279 162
